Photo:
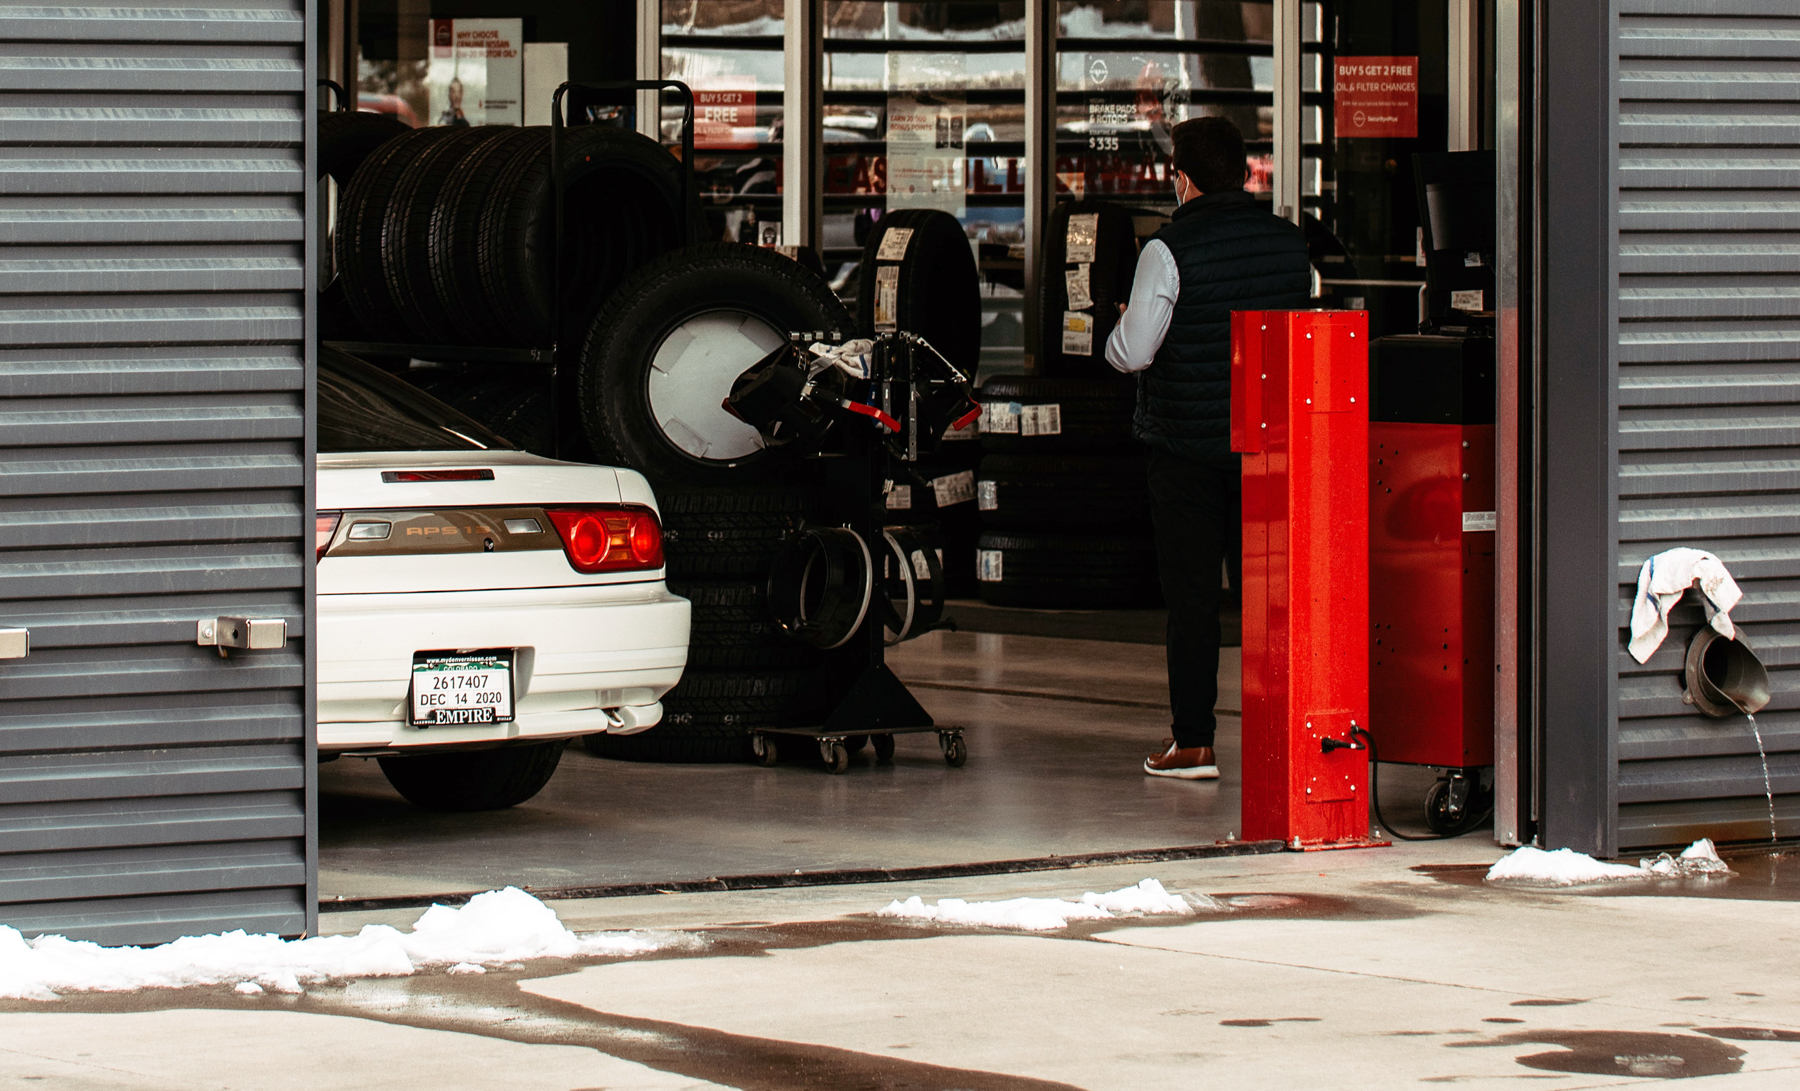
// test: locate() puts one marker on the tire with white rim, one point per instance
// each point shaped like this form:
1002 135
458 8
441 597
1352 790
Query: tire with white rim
662 354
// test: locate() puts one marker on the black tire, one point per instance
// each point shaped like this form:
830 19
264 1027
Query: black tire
1109 284
1068 571
937 290
733 630
1046 491
454 233
623 206
357 244
724 533
406 233
473 780
708 717
884 749
1095 414
682 287
347 137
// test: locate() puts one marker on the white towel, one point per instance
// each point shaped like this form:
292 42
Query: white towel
1661 583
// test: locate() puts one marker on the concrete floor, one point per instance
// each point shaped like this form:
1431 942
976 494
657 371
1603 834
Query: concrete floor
1368 969
1057 732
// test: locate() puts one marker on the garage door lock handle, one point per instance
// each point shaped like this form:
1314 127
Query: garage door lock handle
247 633
15 643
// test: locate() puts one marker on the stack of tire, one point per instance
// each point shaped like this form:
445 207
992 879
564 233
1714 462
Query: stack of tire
919 275
1061 491
727 504
446 236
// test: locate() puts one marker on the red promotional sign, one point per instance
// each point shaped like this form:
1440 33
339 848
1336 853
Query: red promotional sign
724 119
1377 96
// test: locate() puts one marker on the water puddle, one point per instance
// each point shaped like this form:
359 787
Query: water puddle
1757 875
1620 1053
492 1005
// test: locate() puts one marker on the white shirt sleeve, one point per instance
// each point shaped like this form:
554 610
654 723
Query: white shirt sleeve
1154 289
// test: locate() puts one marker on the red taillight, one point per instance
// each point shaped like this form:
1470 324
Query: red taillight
609 539
325 524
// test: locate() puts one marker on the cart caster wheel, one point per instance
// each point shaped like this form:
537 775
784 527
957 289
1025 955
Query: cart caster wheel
955 752
1437 810
837 759
856 743
763 748
884 749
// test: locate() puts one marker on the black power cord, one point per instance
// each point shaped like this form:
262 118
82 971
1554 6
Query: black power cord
1375 796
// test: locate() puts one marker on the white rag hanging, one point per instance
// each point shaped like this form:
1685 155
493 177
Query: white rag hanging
1661 583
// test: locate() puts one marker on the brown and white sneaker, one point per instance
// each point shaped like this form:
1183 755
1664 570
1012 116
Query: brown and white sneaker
1193 763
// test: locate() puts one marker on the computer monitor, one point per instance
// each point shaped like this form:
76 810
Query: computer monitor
1456 195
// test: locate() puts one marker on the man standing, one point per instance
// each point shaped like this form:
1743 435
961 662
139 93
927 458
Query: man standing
1220 253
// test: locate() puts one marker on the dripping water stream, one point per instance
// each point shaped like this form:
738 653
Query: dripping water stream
1768 790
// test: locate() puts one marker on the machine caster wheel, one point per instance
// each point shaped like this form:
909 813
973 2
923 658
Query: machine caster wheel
763 748
856 743
884 749
955 751
1439 818
837 759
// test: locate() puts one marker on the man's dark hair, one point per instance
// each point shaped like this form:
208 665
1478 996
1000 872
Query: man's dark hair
1210 151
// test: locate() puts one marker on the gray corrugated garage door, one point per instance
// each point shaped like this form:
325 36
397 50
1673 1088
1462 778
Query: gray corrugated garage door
1709 417
153 467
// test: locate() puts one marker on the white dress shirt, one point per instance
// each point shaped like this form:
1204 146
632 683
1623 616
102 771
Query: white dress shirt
1154 289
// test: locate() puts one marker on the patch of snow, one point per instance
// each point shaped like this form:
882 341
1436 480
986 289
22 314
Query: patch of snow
1699 858
498 927
1045 914
1566 867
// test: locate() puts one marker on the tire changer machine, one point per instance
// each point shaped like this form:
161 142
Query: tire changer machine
1432 524
862 413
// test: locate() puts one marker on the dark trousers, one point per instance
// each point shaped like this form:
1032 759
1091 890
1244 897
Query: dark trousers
1198 511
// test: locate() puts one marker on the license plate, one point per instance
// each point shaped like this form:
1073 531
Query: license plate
452 688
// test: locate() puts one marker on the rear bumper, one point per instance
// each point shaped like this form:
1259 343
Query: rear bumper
581 651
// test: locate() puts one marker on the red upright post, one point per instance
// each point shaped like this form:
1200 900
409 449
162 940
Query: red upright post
1299 415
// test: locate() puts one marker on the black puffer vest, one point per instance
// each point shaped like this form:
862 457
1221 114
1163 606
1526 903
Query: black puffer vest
1233 256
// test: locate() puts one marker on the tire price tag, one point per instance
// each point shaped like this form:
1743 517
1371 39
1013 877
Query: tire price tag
1079 240
893 244
920 565
899 498
987 496
1077 279
1078 333
887 298
1041 420
954 488
989 564
1000 418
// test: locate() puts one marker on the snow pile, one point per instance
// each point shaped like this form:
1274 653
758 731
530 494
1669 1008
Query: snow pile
1045 914
1699 858
1566 867
496 927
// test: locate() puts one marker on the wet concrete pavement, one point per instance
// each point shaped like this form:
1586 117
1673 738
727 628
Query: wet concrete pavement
1344 970
1057 732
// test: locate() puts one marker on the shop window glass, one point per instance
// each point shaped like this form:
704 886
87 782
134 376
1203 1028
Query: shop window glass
924 107
1130 70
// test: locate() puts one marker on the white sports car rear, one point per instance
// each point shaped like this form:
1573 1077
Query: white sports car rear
477 605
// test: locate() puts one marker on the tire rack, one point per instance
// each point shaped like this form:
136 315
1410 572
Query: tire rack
549 359
877 704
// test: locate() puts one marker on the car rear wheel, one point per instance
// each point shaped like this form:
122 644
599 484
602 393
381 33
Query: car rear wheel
473 780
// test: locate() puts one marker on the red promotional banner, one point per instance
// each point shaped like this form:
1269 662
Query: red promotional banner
1377 96
724 119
